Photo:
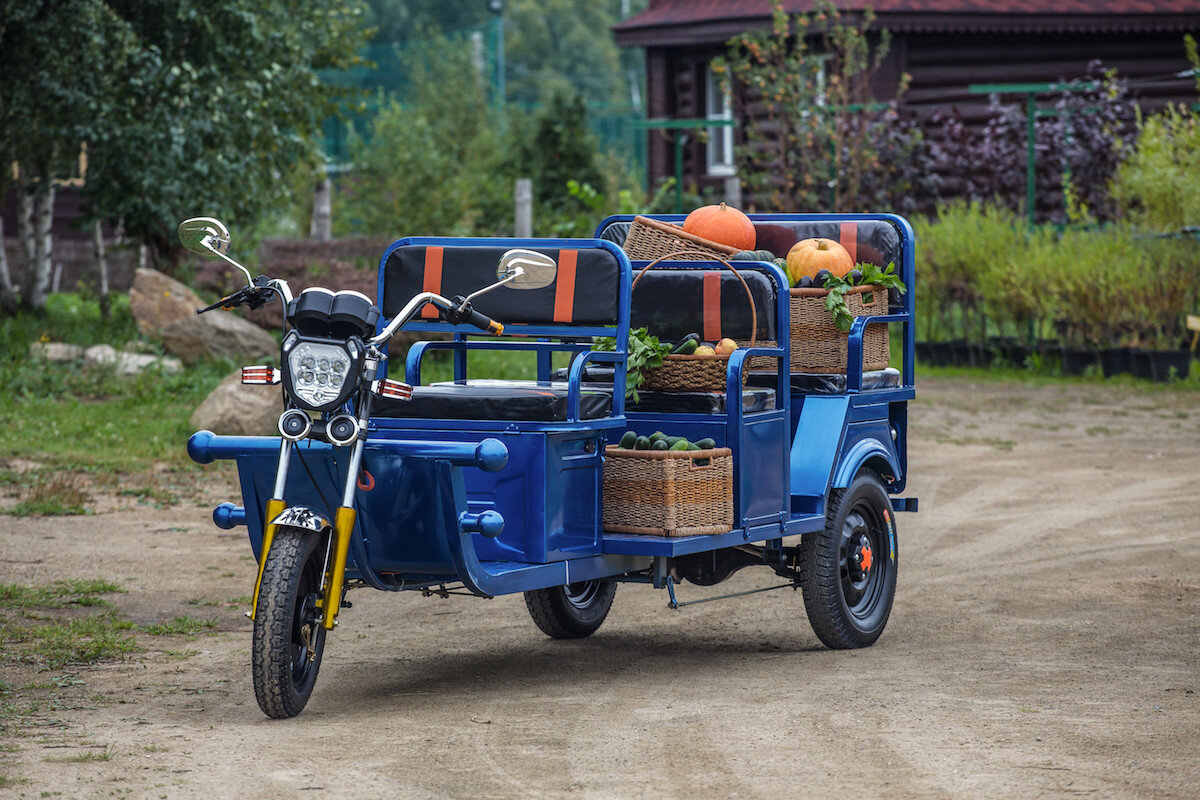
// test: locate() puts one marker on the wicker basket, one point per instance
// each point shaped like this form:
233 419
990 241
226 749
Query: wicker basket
651 239
819 347
680 373
668 493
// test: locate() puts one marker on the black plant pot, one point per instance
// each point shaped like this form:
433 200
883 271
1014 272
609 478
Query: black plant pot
939 353
1161 365
960 353
924 352
1116 361
1076 360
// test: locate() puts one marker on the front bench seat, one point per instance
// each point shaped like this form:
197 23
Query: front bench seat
486 399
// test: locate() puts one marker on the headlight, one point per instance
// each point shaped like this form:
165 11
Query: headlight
320 374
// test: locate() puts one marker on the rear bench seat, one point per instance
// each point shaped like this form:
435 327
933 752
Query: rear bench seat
584 295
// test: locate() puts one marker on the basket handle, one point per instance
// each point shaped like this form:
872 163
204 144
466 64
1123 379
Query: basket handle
694 464
723 262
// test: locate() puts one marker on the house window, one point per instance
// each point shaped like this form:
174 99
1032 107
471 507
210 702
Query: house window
718 106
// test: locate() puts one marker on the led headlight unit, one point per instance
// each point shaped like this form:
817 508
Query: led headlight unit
321 374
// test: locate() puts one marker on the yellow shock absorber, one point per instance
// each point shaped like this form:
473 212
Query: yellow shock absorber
274 509
343 524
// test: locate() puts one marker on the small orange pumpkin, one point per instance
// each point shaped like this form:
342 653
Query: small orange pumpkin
722 224
810 256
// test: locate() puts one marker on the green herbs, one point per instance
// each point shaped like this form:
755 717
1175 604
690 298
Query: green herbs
645 352
835 301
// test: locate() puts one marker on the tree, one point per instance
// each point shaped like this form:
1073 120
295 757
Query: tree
815 138
219 101
56 58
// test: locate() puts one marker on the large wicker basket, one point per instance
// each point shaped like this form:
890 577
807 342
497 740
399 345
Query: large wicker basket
818 346
651 239
668 493
693 373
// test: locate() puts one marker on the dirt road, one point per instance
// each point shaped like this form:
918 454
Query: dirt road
1044 643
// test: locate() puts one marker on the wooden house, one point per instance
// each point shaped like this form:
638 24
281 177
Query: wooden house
946 46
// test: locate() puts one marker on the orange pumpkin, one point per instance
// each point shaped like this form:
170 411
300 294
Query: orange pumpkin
722 224
810 256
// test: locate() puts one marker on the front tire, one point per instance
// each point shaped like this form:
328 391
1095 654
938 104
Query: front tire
288 637
572 611
847 571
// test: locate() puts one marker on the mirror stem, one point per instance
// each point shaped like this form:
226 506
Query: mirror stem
516 273
216 252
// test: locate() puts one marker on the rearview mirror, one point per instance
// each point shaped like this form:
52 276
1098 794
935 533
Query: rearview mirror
204 236
526 269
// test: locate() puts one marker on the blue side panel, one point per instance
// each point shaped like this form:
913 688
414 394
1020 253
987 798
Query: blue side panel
867 443
816 443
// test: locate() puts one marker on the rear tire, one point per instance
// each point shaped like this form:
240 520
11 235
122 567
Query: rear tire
572 611
288 637
847 571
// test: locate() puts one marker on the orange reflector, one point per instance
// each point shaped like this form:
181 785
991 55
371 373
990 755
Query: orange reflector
260 376
394 390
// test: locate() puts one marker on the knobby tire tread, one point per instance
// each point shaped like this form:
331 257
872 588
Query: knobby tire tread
270 659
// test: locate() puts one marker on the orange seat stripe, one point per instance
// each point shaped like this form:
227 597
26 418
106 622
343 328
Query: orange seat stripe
564 289
712 306
849 239
433 279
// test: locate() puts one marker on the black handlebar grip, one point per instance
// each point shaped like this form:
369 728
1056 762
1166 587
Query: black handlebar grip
484 322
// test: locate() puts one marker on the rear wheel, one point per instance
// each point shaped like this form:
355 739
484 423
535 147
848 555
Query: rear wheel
848 570
572 611
288 638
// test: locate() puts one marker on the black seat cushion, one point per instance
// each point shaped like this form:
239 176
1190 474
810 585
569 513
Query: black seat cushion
811 383
495 400
599 378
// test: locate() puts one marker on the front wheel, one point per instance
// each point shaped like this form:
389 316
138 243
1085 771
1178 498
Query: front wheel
288 637
572 611
847 571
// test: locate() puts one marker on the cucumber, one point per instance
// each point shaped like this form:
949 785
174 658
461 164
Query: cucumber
706 444
674 440
693 447
654 437
685 348
661 444
628 440
642 443
680 446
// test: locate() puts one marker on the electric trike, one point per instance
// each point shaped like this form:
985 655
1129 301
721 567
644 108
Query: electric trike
484 487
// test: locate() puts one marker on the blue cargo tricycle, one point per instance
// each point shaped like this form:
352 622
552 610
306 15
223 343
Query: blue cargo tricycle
488 487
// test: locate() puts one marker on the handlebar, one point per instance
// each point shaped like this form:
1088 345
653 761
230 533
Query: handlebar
485 323
255 296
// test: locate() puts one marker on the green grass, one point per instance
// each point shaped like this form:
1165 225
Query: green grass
67 623
68 414
56 494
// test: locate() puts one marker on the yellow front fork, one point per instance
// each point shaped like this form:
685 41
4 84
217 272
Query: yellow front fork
274 509
343 524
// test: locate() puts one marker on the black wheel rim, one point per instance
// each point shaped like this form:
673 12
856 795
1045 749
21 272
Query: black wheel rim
307 635
583 594
862 560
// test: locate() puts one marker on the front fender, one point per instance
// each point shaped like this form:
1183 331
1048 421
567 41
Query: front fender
303 518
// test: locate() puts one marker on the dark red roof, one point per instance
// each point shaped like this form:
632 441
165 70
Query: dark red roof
680 21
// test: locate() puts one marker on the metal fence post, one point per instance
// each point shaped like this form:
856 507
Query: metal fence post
524 210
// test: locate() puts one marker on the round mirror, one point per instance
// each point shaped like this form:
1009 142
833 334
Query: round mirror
532 269
204 236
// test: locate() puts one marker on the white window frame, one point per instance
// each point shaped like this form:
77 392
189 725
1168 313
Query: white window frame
719 138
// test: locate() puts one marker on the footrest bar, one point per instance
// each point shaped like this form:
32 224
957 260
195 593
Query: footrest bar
675 604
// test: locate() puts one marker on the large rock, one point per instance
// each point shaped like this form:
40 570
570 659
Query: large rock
129 363
237 410
157 301
216 334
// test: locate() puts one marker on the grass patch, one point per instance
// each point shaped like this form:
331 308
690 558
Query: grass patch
68 623
56 494
182 626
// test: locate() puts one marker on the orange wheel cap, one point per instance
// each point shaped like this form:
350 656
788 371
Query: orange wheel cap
866 558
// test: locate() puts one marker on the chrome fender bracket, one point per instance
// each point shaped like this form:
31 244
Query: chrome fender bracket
303 518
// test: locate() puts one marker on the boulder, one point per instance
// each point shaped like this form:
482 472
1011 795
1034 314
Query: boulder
129 363
217 334
156 300
55 351
238 410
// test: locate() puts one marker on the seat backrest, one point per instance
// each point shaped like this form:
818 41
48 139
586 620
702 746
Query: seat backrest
869 241
710 302
585 292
